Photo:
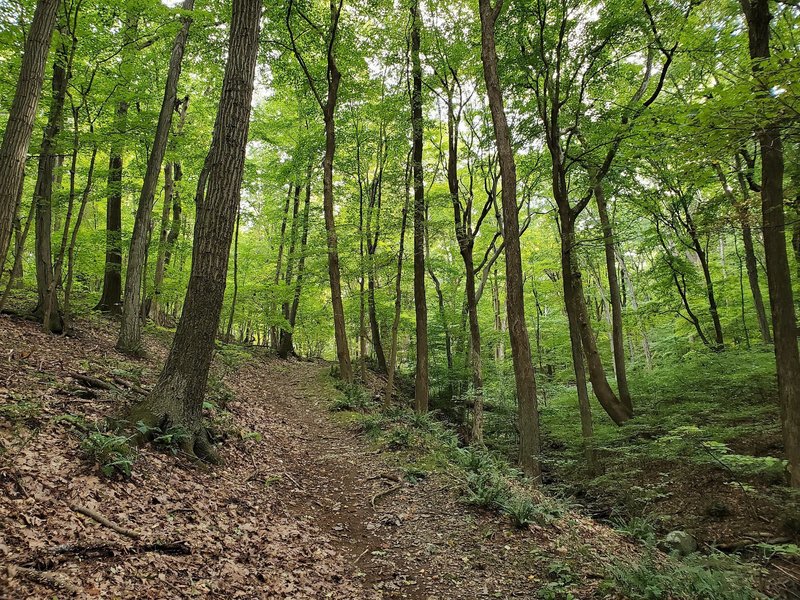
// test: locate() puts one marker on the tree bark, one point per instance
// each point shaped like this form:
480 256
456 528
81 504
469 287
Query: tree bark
528 412
130 335
392 366
286 346
19 128
784 324
615 298
421 391
751 264
47 307
111 295
177 398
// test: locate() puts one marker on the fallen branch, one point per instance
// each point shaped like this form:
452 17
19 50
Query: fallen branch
48 579
389 476
93 382
64 553
383 493
130 385
104 521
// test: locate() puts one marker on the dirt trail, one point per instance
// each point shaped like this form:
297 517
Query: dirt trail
399 540
301 508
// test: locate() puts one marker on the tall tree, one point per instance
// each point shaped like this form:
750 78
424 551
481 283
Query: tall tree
328 105
524 376
19 128
177 398
47 307
130 334
420 303
784 323
111 295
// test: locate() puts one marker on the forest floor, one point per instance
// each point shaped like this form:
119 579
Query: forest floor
302 506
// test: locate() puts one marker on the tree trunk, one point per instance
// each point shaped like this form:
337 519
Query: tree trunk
574 299
617 335
73 240
576 347
373 234
47 309
274 330
177 398
421 391
229 328
751 264
19 127
111 296
286 346
387 395
784 325
130 335
528 415
170 199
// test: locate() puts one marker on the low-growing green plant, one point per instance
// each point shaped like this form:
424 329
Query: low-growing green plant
693 578
21 410
399 438
639 528
111 451
354 398
521 510
218 393
485 489
170 439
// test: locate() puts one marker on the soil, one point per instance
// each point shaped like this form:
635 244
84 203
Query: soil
302 506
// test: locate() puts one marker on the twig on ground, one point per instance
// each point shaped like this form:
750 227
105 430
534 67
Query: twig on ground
360 556
383 493
104 521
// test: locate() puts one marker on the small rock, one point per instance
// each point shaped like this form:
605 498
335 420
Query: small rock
680 542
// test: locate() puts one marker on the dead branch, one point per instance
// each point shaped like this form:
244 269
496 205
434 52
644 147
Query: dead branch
104 521
66 552
93 382
48 579
383 493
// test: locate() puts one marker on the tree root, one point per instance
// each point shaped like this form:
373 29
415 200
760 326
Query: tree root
48 579
104 521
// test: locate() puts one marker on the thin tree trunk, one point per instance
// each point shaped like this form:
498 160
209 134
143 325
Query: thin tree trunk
170 198
130 335
19 127
576 347
528 415
421 383
617 335
111 295
229 328
293 188
286 346
71 252
177 398
392 365
751 263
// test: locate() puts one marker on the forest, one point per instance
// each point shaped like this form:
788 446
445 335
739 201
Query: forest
400 299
